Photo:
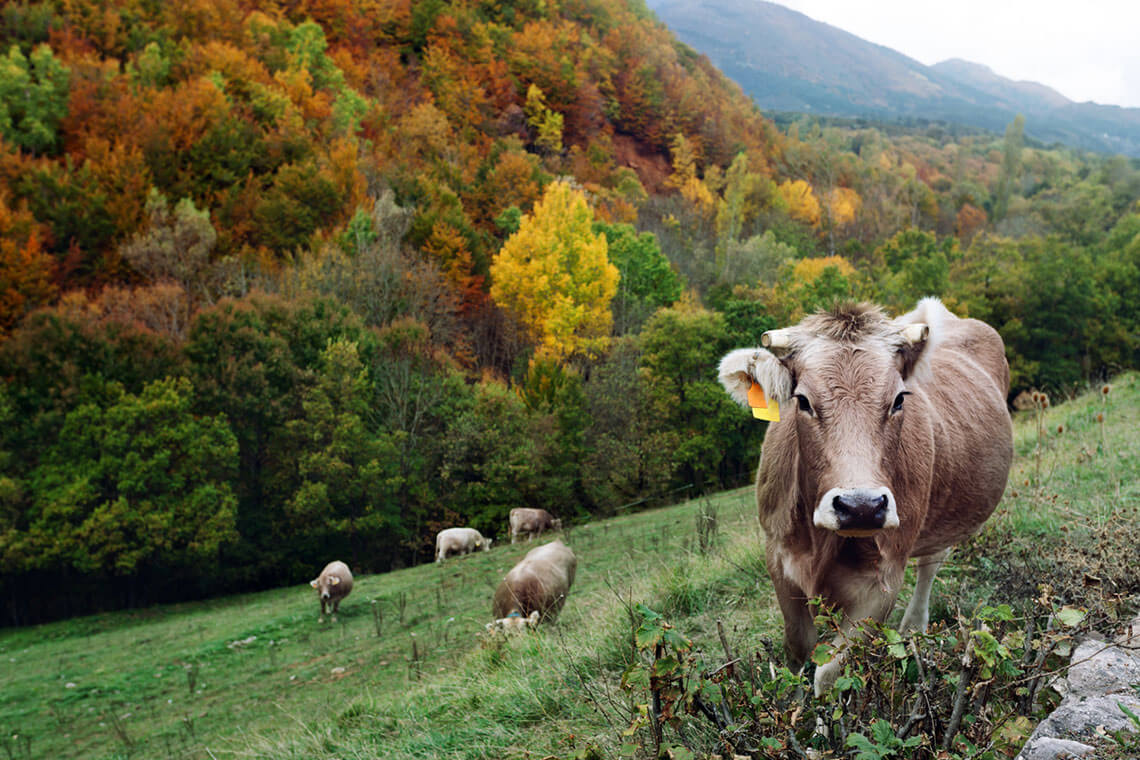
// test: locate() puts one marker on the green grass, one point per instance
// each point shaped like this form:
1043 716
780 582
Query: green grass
119 685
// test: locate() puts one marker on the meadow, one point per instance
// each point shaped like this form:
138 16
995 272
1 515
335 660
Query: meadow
404 673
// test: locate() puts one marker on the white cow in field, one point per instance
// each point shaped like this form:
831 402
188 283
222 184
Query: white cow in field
459 541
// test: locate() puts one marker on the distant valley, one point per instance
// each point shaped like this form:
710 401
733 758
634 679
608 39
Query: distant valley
788 62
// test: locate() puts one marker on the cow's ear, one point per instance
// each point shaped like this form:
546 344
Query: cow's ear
314 582
532 619
919 333
910 357
740 368
335 580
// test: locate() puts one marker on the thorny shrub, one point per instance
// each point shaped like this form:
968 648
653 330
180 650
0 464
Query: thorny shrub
968 688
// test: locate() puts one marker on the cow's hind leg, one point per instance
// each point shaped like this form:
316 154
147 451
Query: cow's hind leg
917 613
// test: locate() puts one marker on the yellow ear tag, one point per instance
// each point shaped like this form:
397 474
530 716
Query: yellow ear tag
762 409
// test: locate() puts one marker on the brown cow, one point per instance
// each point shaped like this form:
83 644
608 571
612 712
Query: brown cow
333 584
531 522
538 583
895 442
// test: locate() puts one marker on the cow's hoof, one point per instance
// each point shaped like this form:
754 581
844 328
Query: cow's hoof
334 618
321 619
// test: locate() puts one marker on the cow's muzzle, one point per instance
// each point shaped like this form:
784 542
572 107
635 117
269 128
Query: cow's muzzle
857 511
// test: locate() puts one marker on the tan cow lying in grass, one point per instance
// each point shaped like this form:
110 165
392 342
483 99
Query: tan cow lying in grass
333 584
451 541
893 441
535 589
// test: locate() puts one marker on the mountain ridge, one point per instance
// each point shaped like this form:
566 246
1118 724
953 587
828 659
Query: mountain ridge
787 61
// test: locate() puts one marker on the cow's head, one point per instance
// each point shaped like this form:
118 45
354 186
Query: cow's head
513 623
324 585
841 380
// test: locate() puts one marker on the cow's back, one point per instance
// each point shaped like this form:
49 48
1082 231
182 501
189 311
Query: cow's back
540 581
965 382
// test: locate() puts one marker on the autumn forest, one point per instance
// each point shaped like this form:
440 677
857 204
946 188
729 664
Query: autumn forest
288 281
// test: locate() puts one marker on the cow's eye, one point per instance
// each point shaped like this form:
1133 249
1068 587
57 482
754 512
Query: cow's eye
804 404
897 406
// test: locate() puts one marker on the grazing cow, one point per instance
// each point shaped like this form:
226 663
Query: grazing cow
895 442
531 522
333 584
459 541
537 584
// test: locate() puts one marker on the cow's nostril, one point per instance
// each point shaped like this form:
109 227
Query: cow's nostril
842 508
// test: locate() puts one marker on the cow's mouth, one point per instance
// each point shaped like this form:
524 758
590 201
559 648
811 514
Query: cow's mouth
858 533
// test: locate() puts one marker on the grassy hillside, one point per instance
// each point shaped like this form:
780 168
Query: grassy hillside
190 681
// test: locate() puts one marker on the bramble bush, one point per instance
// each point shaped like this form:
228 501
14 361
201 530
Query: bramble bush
969 687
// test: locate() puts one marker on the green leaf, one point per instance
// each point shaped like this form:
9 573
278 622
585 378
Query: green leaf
823 653
1071 616
648 635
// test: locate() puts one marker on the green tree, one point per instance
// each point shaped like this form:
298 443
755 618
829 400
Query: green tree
681 346
647 281
348 473
913 264
33 98
1010 166
250 360
492 459
135 485
628 451
555 274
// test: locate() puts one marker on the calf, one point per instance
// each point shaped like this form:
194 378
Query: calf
531 522
333 584
459 541
537 584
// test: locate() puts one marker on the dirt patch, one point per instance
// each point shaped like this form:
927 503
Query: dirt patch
652 168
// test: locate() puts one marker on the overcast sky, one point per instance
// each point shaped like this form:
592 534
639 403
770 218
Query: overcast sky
1084 49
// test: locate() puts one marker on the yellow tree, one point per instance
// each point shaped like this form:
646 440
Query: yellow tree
556 276
801 202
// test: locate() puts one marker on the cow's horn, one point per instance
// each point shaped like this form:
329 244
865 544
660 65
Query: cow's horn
777 341
916 333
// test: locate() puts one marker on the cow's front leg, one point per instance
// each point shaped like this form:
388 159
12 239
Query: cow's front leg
800 634
861 596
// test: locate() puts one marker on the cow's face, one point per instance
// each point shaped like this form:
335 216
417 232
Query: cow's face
513 624
324 585
848 404
842 384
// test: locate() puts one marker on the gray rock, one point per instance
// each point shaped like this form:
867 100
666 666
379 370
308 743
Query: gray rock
1102 677
1048 748
1100 670
1080 717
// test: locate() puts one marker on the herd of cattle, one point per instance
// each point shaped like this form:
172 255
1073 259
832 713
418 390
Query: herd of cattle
534 590
896 443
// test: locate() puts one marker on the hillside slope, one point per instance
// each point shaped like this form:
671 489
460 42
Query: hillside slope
789 62
256 676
